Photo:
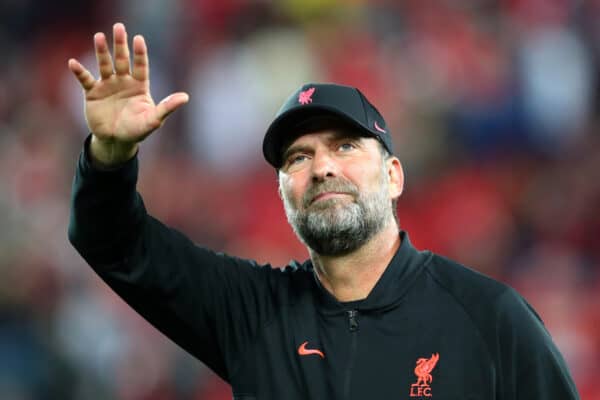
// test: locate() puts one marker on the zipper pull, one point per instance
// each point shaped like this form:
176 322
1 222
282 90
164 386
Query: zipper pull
353 320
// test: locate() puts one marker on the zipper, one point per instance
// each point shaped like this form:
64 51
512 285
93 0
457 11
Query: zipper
353 328
353 320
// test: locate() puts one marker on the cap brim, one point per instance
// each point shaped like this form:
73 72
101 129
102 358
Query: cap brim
282 129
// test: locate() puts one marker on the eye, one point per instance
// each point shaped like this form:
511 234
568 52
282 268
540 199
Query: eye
296 159
346 146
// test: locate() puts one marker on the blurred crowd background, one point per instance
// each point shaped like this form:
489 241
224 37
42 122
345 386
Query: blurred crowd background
495 111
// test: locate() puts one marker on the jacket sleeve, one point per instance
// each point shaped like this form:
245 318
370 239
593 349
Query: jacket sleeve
209 303
531 367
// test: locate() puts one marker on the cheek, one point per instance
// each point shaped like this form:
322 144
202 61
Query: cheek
366 179
292 190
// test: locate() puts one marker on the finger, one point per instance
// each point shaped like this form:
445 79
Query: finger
170 104
120 49
105 64
85 77
140 58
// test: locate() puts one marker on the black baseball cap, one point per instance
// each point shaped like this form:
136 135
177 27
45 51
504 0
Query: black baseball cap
345 103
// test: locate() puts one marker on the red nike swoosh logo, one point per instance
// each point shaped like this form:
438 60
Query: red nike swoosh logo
303 351
380 129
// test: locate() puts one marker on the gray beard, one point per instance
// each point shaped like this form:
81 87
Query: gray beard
335 227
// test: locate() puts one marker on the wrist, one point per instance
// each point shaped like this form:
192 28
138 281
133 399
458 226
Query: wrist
107 153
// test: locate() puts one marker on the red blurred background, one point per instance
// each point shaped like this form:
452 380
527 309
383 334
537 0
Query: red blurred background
494 107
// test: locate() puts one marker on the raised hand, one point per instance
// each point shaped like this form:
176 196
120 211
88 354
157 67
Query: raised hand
119 108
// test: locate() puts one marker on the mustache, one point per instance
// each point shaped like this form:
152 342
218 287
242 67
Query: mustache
334 185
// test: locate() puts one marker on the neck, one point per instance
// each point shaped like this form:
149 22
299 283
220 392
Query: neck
352 276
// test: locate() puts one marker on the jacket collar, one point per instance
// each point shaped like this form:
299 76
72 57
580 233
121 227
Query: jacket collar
399 275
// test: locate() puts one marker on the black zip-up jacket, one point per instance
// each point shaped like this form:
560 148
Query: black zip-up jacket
430 328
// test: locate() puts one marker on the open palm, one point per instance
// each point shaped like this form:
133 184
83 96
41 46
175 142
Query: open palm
118 106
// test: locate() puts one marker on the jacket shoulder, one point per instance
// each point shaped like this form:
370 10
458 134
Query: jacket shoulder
478 295
494 308
470 288
527 360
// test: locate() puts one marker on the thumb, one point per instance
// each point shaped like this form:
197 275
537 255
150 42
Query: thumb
170 104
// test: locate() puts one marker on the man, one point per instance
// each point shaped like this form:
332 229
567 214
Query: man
368 316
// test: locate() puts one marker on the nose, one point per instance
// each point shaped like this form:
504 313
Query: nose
323 166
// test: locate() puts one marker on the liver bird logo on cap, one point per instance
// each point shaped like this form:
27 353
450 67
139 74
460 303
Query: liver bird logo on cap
305 96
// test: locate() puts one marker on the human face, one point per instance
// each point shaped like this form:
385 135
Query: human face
336 190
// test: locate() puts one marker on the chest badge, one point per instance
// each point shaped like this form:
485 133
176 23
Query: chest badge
423 372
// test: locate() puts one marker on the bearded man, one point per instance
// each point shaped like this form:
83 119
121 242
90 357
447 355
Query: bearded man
367 316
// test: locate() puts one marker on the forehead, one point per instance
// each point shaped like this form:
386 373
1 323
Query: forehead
316 124
324 135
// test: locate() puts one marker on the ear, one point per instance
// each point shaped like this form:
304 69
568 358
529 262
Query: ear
279 182
395 176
